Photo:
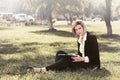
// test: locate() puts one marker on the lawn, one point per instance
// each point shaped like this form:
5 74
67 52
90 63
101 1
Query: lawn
21 46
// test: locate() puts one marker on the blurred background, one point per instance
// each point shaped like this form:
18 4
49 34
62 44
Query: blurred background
52 12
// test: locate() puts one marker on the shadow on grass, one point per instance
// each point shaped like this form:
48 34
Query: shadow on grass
100 73
5 28
58 33
104 47
113 38
20 66
11 48
8 28
109 40
31 43
8 49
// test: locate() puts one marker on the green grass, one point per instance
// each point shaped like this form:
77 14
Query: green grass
21 46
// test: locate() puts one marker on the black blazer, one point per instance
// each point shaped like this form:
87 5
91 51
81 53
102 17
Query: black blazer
91 50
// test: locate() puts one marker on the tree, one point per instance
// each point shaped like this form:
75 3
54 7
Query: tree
48 5
107 17
71 8
88 9
115 9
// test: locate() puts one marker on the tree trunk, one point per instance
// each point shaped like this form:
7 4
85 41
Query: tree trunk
49 10
107 17
51 28
70 17
109 27
66 19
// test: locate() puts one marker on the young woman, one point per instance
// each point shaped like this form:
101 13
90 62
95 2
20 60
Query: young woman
87 57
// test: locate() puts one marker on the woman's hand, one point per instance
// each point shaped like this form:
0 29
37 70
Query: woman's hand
78 58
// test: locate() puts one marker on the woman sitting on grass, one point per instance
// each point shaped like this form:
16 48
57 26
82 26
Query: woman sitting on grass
87 57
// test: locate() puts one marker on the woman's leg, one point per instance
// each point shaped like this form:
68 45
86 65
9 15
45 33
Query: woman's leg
57 58
60 62
60 65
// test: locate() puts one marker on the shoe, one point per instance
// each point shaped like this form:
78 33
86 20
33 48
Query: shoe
37 70
42 70
30 67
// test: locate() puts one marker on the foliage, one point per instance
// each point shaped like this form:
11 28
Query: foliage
46 8
71 8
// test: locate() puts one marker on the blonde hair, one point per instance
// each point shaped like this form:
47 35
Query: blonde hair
78 23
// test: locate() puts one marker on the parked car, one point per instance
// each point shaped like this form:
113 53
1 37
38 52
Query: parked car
28 19
6 16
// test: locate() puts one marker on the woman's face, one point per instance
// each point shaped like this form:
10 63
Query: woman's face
79 30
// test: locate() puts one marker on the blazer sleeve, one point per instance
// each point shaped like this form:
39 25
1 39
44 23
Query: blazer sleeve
94 57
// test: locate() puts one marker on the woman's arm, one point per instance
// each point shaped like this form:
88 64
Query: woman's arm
78 59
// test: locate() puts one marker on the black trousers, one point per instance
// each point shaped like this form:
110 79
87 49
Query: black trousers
62 63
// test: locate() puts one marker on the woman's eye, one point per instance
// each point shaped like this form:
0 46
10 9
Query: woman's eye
75 29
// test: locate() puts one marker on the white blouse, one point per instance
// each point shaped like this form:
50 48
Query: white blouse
82 40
